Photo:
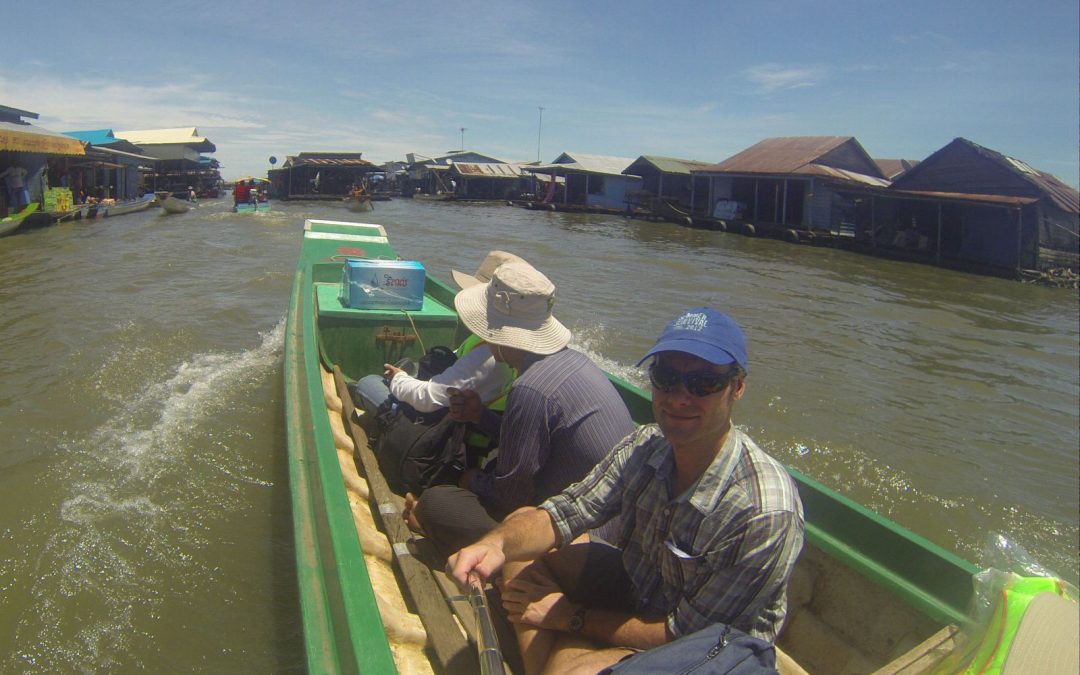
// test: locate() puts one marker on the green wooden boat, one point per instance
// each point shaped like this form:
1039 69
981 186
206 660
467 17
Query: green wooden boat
867 595
10 223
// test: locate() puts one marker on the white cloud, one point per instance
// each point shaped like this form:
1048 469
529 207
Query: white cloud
770 77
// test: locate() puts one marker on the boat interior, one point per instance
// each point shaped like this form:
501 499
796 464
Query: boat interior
858 603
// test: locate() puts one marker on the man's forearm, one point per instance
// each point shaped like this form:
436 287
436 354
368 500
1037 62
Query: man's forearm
619 629
525 534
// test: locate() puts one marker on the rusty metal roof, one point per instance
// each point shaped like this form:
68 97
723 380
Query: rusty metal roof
329 159
785 155
487 170
894 168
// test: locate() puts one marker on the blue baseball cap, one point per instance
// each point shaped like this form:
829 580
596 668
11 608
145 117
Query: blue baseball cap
705 333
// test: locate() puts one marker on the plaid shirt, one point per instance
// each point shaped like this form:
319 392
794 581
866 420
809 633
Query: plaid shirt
721 551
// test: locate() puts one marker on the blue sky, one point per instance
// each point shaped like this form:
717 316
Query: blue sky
698 80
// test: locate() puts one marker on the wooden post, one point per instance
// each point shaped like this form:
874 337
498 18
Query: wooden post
1020 240
938 253
755 198
783 210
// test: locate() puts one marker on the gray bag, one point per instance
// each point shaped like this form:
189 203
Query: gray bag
716 650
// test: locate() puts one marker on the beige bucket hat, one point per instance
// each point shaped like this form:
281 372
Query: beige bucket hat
484 272
514 310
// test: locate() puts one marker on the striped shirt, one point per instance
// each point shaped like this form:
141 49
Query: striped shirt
721 551
562 417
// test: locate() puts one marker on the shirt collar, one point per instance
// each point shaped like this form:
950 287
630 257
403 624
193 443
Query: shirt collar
715 481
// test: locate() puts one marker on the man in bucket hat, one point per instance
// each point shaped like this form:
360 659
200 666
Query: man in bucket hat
562 414
711 525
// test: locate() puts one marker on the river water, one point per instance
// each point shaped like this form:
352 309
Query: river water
145 519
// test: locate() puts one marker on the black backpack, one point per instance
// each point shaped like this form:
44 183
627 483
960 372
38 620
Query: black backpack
418 450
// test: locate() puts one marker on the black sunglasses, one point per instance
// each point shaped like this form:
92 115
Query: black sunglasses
699 382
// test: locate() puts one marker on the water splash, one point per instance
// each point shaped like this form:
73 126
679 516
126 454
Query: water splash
143 497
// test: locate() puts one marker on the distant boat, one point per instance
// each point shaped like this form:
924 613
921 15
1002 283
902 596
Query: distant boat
109 207
249 207
171 204
359 204
437 197
10 223
131 205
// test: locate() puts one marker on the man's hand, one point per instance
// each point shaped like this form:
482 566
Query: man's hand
465 405
484 558
535 599
389 370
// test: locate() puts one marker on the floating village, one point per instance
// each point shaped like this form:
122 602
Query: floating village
964 207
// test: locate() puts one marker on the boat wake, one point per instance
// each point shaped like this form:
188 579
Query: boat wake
145 492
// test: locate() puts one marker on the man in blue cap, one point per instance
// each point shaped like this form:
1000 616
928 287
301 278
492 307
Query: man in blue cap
711 525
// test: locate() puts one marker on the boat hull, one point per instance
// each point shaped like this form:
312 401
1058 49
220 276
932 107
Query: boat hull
12 222
248 207
358 205
173 205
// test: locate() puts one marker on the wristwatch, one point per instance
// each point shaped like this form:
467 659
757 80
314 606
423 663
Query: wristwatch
577 621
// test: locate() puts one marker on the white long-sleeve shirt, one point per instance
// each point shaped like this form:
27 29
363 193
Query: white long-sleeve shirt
478 370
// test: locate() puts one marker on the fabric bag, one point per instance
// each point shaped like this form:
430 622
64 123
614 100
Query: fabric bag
418 450
716 650
437 359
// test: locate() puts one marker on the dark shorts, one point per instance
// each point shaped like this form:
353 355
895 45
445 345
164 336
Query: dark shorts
602 582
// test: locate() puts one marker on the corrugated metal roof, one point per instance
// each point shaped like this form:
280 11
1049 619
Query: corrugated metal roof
894 168
577 161
28 138
779 155
840 174
1064 196
966 197
487 170
188 136
671 164
331 162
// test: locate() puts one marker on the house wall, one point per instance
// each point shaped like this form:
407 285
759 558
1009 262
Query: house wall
614 194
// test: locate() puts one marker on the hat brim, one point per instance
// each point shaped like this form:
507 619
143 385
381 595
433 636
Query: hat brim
464 280
711 353
546 337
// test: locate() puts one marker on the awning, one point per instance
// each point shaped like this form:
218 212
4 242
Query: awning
27 138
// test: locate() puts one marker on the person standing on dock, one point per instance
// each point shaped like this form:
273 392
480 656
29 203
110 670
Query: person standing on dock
711 525
15 180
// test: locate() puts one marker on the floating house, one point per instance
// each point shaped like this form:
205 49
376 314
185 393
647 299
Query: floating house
487 180
178 159
593 181
787 185
31 148
432 175
972 208
319 175
666 182
113 167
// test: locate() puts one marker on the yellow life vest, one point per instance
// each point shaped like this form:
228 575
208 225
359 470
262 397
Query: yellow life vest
498 404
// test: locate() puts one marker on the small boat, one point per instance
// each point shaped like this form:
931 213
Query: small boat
131 205
251 207
11 222
359 204
171 204
866 595
435 197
